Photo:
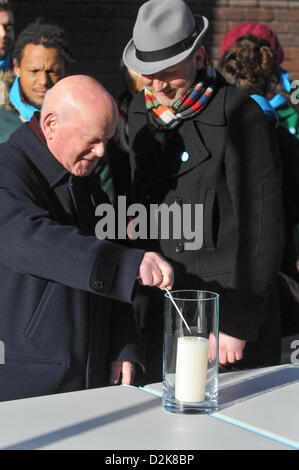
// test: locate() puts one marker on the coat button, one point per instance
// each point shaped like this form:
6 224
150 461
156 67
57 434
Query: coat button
185 156
98 284
179 247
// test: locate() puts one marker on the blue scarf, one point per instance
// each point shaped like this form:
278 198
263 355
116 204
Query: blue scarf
5 63
25 109
279 100
265 105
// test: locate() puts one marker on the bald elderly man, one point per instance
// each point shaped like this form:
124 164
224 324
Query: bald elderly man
65 318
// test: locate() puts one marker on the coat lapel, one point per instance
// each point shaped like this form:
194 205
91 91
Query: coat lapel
214 113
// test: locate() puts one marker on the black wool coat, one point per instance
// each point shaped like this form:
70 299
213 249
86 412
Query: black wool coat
227 159
64 294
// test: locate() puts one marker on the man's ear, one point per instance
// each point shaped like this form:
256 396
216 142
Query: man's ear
49 124
200 57
16 67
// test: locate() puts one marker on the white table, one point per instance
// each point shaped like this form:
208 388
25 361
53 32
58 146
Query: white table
264 401
128 418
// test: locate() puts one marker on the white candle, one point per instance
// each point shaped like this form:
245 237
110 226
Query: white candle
191 368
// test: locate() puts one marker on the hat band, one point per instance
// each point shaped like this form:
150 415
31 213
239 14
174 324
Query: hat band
171 51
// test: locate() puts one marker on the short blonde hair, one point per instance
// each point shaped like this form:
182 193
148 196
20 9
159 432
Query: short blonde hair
134 81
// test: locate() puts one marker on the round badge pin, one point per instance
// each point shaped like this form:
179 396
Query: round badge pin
185 156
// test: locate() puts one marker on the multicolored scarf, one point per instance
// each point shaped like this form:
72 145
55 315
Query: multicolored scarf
165 118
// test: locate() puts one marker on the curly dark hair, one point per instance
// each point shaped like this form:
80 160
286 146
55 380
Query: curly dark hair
47 35
251 64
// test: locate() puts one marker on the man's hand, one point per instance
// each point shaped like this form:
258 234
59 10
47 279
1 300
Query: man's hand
155 271
230 349
122 372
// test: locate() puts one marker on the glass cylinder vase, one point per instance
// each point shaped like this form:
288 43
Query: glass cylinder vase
190 352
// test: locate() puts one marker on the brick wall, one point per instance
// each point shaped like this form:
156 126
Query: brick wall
281 16
99 29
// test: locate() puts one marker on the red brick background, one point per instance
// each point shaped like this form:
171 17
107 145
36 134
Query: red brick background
99 29
281 16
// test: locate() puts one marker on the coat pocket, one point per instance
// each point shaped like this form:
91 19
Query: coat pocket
24 376
38 312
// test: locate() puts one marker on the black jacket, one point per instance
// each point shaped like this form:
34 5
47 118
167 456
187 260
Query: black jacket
55 277
233 169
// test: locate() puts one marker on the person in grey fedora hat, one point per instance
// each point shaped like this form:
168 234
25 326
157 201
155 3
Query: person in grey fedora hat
152 47
196 140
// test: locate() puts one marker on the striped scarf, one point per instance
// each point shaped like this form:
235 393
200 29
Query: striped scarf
164 118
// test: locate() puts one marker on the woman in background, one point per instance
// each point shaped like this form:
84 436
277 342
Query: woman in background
252 65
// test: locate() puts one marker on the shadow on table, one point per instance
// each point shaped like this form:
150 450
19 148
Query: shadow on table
251 386
84 426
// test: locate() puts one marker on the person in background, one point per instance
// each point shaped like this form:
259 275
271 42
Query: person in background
196 140
41 57
280 96
251 65
7 35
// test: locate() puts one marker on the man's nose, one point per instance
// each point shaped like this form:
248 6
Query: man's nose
43 78
99 149
159 85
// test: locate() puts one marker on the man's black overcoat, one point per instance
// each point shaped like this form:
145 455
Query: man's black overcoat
56 322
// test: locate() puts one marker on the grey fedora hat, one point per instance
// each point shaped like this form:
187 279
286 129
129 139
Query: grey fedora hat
165 33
